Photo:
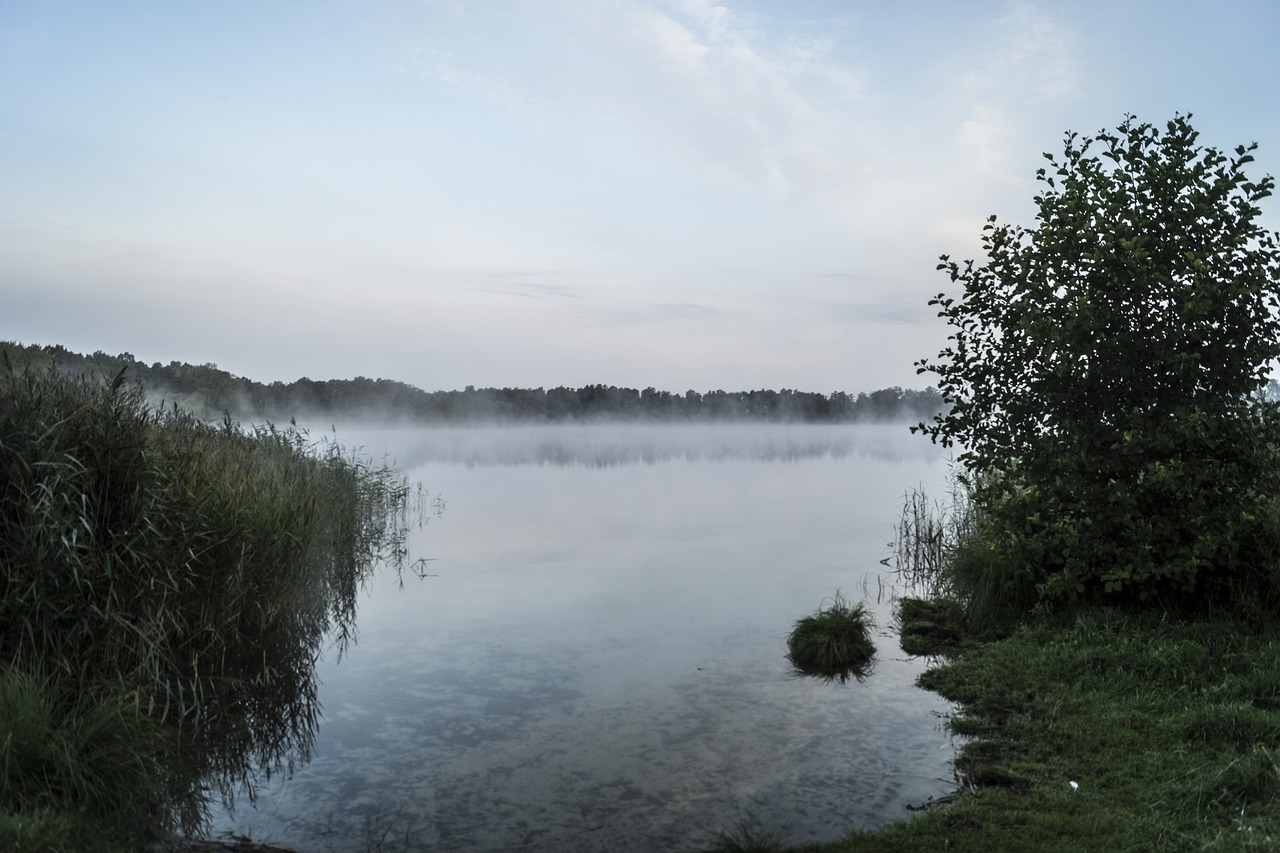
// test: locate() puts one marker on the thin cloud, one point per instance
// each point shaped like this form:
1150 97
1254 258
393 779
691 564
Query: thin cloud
529 290
687 309
526 191
505 92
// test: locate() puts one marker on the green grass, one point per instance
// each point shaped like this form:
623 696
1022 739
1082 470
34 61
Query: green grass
1169 727
834 642
1088 727
78 774
931 627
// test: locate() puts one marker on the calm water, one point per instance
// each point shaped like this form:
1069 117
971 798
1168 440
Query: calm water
597 659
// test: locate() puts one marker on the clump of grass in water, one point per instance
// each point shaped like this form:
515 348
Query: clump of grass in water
834 642
930 627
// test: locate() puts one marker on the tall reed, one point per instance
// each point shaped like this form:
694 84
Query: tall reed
928 536
946 551
196 568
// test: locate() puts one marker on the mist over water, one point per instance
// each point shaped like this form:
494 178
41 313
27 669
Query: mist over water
630 443
596 659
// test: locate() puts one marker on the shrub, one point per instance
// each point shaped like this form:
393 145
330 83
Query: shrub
1104 370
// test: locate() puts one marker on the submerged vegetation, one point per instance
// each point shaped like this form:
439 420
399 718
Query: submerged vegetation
168 586
835 642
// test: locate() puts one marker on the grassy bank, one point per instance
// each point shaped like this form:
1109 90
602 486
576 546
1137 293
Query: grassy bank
1104 730
1084 726
167 588
1170 730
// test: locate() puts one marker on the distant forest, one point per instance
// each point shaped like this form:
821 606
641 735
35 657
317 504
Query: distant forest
209 391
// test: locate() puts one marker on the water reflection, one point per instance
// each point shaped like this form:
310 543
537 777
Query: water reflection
600 661
245 705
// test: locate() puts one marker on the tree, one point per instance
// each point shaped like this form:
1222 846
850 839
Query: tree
1103 373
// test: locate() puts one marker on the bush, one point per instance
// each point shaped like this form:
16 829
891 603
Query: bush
1104 372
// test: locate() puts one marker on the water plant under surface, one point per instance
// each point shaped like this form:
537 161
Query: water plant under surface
835 641
168 586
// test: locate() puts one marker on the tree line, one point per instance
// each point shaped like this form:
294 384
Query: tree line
209 390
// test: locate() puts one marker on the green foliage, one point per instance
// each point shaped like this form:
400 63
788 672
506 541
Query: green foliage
100 760
834 642
998 589
46 832
1103 375
195 569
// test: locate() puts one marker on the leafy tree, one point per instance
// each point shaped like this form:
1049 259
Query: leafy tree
1103 373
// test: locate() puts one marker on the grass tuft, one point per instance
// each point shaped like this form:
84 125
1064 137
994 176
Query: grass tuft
931 627
100 759
835 641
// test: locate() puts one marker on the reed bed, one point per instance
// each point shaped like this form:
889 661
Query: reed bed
178 577
928 535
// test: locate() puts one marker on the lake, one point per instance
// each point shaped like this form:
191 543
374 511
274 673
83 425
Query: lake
596 658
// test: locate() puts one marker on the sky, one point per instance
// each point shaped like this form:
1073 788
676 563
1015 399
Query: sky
676 194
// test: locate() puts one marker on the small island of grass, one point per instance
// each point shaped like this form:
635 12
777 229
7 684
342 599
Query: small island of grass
834 642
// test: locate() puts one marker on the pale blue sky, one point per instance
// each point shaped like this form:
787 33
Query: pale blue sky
560 192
